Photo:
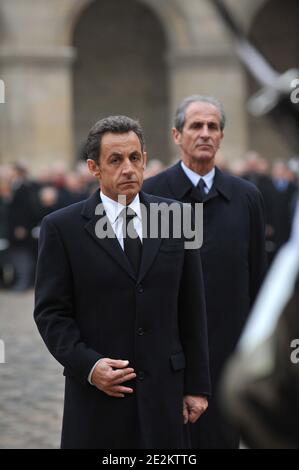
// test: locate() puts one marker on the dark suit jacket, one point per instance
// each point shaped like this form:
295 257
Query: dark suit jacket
233 260
89 305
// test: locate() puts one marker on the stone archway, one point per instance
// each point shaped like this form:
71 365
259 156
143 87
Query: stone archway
274 31
121 69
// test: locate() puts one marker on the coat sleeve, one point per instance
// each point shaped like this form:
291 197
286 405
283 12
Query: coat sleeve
54 307
257 248
193 325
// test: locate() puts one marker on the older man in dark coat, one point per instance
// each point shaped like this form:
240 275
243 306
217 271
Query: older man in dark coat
233 251
120 313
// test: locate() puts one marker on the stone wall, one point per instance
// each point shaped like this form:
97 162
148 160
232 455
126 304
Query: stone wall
66 63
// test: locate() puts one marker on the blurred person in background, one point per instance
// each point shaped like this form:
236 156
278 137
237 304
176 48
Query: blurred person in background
75 186
257 171
86 177
21 221
47 202
154 167
293 167
221 162
6 270
24 201
44 176
282 197
237 167
278 187
59 181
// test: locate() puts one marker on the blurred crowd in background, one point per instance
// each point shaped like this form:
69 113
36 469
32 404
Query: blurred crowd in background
25 199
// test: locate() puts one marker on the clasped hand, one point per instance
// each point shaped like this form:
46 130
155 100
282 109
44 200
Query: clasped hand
109 374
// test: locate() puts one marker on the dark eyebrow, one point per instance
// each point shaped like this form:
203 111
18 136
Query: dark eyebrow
201 123
115 154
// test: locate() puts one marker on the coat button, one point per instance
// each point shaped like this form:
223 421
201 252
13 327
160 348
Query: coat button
139 289
141 375
140 331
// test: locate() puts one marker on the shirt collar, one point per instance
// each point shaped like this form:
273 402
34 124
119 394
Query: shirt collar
114 208
195 177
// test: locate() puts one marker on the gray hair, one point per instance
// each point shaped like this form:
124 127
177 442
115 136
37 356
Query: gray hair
180 115
114 124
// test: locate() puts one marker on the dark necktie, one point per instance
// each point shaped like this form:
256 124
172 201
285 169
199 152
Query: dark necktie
198 192
132 243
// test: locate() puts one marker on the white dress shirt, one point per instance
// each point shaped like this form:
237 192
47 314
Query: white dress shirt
113 210
195 177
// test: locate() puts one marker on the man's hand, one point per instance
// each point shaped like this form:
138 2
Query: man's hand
109 374
193 407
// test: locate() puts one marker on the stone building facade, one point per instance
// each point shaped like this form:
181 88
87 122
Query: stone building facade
67 63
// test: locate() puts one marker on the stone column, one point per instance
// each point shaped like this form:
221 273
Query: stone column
36 67
36 119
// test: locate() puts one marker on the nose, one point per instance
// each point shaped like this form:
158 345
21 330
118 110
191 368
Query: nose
204 132
127 167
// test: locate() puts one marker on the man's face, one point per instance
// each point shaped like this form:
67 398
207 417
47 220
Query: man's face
201 135
121 165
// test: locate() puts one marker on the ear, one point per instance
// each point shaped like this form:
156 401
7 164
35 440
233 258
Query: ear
93 167
176 136
144 160
222 135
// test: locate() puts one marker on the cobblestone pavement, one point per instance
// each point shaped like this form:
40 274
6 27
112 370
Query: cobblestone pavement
31 381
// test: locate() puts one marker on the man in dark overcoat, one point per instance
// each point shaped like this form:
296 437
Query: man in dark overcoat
233 251
125 316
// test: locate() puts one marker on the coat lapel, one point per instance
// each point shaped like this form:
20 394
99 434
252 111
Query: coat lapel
94 212
150 246
181 185
179 182
222 184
